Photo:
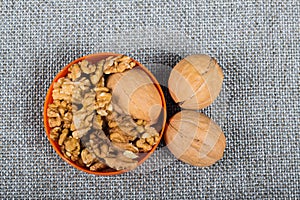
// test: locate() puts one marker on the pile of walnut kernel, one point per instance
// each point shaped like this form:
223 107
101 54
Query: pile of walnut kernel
85 125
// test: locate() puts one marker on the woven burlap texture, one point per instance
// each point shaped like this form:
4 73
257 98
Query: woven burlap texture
256 43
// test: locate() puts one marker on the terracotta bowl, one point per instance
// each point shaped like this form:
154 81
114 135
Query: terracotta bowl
49 100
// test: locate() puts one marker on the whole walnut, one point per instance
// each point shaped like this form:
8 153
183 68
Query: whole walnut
195 139
134 93
196 81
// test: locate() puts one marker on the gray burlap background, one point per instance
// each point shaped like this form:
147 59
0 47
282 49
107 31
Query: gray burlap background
256 43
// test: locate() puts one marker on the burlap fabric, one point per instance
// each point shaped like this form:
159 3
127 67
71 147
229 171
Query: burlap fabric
256 43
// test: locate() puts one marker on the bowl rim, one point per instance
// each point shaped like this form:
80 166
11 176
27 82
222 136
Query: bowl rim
48 100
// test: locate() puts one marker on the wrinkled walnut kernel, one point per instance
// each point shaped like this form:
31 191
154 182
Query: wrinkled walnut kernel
54 122
117 64
127 146
125 130
63 136
75 72
87 157
98 166
54 133
103 100
142 144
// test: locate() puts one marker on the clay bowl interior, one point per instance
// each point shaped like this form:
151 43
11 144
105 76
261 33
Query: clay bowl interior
93 58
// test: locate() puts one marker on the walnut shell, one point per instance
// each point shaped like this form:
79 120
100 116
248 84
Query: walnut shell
195 139
196 81
135 94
